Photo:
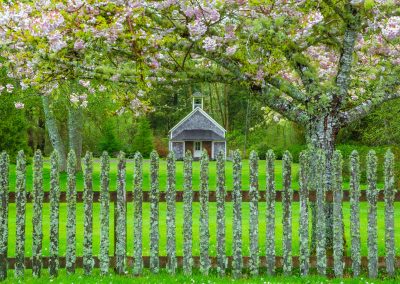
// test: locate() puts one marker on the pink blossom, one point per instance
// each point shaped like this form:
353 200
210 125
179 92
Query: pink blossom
102 88
1 88
84 83
197 29
23 85
392 28
115 77
56 41
79 44
19 105
210 44
10 88
230 50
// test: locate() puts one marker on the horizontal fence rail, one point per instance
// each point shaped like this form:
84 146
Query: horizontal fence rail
322 247
196 196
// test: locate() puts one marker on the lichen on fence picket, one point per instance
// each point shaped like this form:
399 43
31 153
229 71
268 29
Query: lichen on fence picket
389 214
120 244
303 221
171 214
270 212
287 196
253 229
71 214
188 213
88 261
4 188
37 234
137 218
237 261
355 212
372 194
321 187
154 213
20 198
205 263
220 195
338 249
104 213
54 214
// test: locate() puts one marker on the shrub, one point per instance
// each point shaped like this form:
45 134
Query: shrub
143 140
108 141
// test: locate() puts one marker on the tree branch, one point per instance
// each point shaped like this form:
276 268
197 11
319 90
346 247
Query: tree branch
362 110
283 106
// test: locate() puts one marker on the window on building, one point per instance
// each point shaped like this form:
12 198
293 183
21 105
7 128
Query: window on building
197 146
197 103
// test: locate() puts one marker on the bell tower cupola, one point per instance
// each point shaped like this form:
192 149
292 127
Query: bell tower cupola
197 100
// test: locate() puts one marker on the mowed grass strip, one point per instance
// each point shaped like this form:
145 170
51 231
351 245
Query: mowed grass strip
196 225
163 176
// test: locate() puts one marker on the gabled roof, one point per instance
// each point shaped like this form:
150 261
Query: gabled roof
203 113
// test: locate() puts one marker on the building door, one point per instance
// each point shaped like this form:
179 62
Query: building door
197 149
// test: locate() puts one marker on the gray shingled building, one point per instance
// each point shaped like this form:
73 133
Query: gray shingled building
197 132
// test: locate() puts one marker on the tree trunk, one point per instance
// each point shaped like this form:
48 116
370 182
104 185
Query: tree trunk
75 133
54 134
321 134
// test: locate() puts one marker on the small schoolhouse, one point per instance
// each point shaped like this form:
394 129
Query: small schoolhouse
196 132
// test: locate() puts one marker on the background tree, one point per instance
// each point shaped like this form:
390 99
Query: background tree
143 140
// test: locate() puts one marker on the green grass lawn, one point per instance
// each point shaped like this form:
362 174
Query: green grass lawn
163 176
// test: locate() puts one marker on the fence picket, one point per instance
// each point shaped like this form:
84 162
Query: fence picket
389 214
372 194
171 212
270 214
188 213
320 210
37 233
154 214
355 212
287 196
54 214
4 187
88 261
71 214
205 263
120 244
221 255
20 197
237 262
338 249
137 218
253 192
303 226
104 213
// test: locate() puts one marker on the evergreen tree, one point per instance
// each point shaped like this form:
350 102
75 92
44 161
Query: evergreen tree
143 140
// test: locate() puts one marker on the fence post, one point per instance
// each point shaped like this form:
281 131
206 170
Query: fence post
205 263
187 219
104 214
320 210
253 192
221 255
337 165
20 220
171 225
287 196
270 214
389 214
303 226
120 245
88 261
37 233
154 215
4 187
237 262
355 212
138 199
54 214
71 219
372 194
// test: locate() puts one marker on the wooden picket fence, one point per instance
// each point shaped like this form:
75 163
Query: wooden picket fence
313 179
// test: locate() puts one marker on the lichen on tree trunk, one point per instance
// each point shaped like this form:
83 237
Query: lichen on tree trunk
75 133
